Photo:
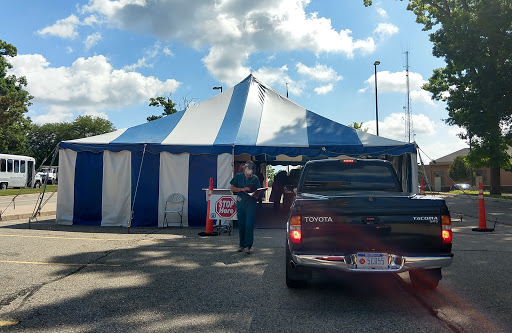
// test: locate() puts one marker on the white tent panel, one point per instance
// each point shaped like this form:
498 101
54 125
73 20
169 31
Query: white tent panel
173 170
224 170
116 190
102 138
66 197
282 123
414 172
201 123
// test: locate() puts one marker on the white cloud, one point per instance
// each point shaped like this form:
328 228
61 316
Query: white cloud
167 51
396 82
65 28
233 30
435 138
322 90
279 76
140 63
91 20
88 85
92 40
393 126
386 30
320 73
69 50
382 13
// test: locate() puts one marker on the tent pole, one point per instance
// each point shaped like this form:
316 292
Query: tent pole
424 171
40 198
136 188
233 168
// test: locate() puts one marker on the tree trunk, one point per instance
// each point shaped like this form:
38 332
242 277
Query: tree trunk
495 181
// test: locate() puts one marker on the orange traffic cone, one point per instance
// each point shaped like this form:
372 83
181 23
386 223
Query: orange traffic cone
422 188
482 223
209 222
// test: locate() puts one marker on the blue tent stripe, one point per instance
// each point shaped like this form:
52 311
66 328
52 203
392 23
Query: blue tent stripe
153 132
146 203
323 131
201 169
88 189
231 123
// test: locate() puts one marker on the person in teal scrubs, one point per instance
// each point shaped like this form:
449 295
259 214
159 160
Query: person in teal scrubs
243 183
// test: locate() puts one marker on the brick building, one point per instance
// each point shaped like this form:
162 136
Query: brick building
437 173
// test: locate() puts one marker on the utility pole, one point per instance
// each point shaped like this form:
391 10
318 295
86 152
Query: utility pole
408 114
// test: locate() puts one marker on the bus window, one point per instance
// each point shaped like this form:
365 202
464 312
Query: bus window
22 167
9 165
16 166
3 165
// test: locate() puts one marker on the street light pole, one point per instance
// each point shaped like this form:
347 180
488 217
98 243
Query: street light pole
376 102
217 88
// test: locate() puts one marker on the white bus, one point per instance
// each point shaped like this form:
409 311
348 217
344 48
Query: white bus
17 171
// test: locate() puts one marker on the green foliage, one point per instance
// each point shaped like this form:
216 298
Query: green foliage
42 139
14 103
474 37
358 126
270 174
460 170
166 103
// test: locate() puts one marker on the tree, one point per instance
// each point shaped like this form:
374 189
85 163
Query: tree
42 139
460 170
270 174
358 126
14 103
475 39
166 103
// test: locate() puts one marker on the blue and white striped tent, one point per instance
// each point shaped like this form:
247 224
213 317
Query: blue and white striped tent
128 174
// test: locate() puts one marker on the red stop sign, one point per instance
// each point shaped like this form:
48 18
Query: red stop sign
225 207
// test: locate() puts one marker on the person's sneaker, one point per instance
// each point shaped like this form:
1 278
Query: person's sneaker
240 249
247 250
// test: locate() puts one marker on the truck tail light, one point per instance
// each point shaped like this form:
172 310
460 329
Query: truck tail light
295 230
446 232
348 161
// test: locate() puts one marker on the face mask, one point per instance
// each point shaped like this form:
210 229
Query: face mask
248 172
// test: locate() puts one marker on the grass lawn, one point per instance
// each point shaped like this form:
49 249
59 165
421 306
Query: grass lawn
486 194
14 191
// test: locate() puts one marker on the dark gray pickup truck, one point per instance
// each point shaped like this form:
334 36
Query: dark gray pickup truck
351 215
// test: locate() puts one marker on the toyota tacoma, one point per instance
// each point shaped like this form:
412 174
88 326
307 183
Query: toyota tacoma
352 215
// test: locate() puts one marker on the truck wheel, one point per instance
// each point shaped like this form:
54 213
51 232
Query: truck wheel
427 279
295 278
3 186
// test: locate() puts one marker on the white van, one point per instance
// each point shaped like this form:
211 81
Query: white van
17 171
50 172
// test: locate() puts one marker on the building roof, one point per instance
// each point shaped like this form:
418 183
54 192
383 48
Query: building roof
448 159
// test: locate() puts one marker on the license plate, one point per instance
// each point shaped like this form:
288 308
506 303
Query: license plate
372 261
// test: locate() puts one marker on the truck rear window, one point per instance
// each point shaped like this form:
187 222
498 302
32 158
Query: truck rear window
349 177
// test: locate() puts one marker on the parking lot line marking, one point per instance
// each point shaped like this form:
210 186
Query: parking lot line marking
84 238
54 263
8 323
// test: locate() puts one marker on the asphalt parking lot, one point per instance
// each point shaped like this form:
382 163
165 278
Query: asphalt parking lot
89 279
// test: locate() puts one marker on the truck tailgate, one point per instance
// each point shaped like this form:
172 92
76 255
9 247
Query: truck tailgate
396 224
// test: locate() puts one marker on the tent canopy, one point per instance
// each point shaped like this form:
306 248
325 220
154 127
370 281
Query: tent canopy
250 118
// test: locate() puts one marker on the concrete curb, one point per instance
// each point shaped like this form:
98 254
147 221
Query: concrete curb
24 216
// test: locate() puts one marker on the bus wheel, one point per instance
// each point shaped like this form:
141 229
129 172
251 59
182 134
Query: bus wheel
3 186
37 184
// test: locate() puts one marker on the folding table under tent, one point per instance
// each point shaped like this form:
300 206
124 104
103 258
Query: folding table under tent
124 177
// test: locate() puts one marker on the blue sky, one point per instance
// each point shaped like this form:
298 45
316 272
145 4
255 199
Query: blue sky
107 58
